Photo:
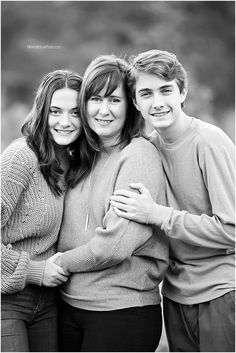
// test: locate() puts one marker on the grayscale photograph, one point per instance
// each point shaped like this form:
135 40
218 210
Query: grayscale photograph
117 176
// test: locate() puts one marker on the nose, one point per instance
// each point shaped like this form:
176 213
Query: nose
104 108
65 120
158 101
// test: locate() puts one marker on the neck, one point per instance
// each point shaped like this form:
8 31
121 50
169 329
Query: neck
176 131
63 156
109 143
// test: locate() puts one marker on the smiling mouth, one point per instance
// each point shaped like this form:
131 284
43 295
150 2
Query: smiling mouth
104 122
161 114
64 132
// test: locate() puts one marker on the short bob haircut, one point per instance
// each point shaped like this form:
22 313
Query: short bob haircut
35 127
158 62
107 71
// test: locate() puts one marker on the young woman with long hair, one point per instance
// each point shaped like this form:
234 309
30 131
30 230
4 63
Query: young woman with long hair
33 189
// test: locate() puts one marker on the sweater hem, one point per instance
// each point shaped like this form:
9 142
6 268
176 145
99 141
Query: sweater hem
198 299
106 305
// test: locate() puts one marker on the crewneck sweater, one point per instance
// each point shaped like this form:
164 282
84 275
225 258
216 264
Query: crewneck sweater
114 263
30 219
200 220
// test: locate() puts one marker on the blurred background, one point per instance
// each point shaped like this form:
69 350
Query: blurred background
40 36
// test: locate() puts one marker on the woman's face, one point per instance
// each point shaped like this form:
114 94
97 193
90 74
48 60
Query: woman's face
106 115
63 120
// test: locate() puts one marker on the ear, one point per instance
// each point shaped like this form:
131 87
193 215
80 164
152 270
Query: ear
183 95
135 104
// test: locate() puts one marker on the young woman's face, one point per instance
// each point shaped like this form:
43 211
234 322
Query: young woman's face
63 120
106 115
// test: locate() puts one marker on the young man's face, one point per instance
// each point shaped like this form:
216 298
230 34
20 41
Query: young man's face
159 101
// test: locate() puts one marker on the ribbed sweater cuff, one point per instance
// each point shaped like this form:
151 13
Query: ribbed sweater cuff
35 272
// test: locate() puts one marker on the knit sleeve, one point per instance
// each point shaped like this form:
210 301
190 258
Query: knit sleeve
119 238
16 267
17 270
16 171
216 161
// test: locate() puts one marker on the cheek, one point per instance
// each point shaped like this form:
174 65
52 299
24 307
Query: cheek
91 109
142 106
78 125
51 122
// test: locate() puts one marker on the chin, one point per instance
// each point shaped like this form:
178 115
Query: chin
63 142
162 125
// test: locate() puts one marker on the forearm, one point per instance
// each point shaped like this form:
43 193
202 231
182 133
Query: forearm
109 246
17 270
204 231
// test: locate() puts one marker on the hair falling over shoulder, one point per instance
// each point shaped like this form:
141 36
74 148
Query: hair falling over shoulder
107 71
35 127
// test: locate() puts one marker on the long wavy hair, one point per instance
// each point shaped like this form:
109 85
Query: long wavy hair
36 130
107 71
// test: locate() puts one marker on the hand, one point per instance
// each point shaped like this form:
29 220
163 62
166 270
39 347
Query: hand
133 206
53 273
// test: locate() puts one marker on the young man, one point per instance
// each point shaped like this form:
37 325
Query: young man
198 161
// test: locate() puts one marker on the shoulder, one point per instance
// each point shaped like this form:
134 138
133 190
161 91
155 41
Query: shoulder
211 136
19 155
141 156
19 149
141 147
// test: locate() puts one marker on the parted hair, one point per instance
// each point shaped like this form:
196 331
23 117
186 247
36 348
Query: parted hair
107 71
158 62
35 127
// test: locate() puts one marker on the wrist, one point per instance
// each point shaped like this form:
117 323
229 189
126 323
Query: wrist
158 214
35 272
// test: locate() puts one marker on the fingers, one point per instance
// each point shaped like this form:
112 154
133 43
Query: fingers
55 261
125 193
60 270
61 278
54 257
140 187
129 194
54 278
120 206
121 199
122 214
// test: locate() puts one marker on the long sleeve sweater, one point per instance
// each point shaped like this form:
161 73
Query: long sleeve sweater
30 219
115 263
200 219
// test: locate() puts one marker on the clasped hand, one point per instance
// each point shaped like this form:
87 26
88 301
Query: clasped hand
53 273
133 206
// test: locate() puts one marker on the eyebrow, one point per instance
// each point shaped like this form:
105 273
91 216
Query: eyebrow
149 89
115 95
55 107
110 95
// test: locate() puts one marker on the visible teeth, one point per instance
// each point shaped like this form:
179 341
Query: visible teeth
105 122
160 114
65 132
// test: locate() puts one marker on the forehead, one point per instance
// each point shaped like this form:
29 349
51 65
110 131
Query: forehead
63 95
151 81
119 91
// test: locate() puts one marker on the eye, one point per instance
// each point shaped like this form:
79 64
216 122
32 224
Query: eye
145 94
75 114
115 100
95 99
54 112
167 90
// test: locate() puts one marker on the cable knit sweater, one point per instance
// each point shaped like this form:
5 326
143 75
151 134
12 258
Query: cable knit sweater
30 219
115 263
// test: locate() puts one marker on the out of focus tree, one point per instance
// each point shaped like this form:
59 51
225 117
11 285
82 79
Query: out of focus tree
201 33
